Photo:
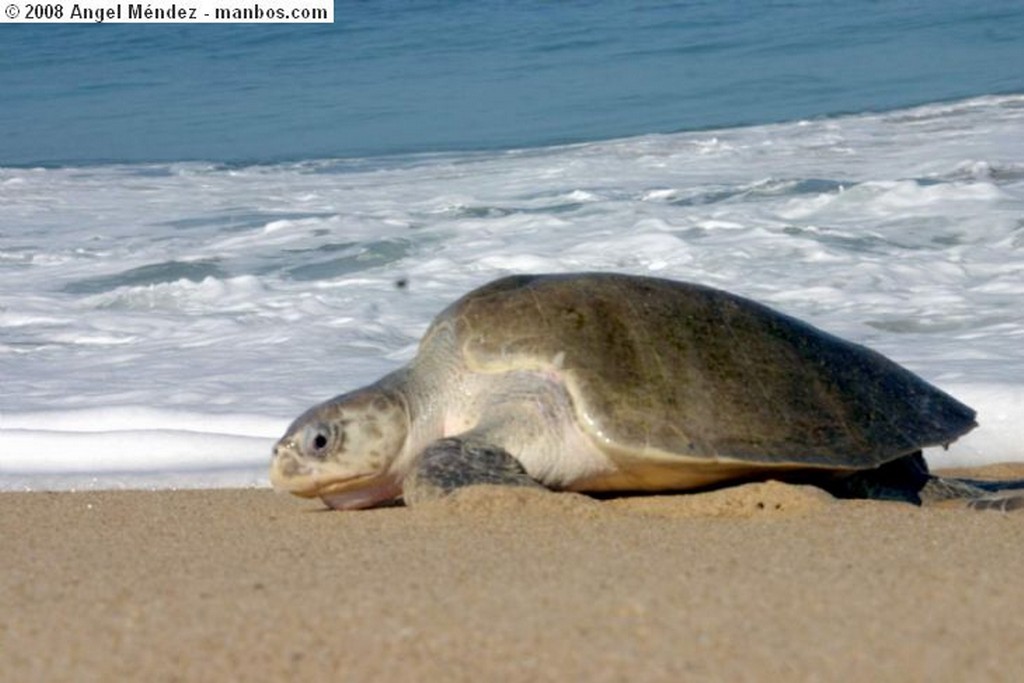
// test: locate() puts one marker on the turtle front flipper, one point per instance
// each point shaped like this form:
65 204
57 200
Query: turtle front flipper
453 463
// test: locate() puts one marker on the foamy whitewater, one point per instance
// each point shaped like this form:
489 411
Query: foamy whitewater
160 325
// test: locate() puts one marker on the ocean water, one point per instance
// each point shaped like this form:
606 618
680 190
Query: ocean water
162 323
402 76
166 312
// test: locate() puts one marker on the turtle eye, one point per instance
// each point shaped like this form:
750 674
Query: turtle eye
317 440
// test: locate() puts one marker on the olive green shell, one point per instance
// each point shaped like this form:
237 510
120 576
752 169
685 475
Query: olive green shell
655 366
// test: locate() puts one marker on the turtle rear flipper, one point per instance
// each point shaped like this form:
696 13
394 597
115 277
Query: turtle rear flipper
1004 496
1000 502
979 494
907 479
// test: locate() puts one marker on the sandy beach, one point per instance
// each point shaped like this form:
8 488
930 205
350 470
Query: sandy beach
764 582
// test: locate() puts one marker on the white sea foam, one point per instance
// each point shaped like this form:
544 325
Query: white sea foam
161 324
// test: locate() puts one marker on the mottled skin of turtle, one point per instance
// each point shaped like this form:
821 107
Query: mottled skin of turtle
603 382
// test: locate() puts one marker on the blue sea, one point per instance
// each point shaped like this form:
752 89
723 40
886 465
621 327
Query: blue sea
201 227
399 77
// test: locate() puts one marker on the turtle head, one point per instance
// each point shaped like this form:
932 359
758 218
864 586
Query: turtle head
344 450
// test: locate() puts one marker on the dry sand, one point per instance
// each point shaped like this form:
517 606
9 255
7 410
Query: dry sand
765 582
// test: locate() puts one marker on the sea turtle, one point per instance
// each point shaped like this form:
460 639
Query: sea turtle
601 382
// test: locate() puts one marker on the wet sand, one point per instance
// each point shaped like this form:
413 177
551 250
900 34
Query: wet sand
764 582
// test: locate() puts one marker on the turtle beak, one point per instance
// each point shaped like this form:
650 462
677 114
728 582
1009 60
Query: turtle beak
287 472
290 473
